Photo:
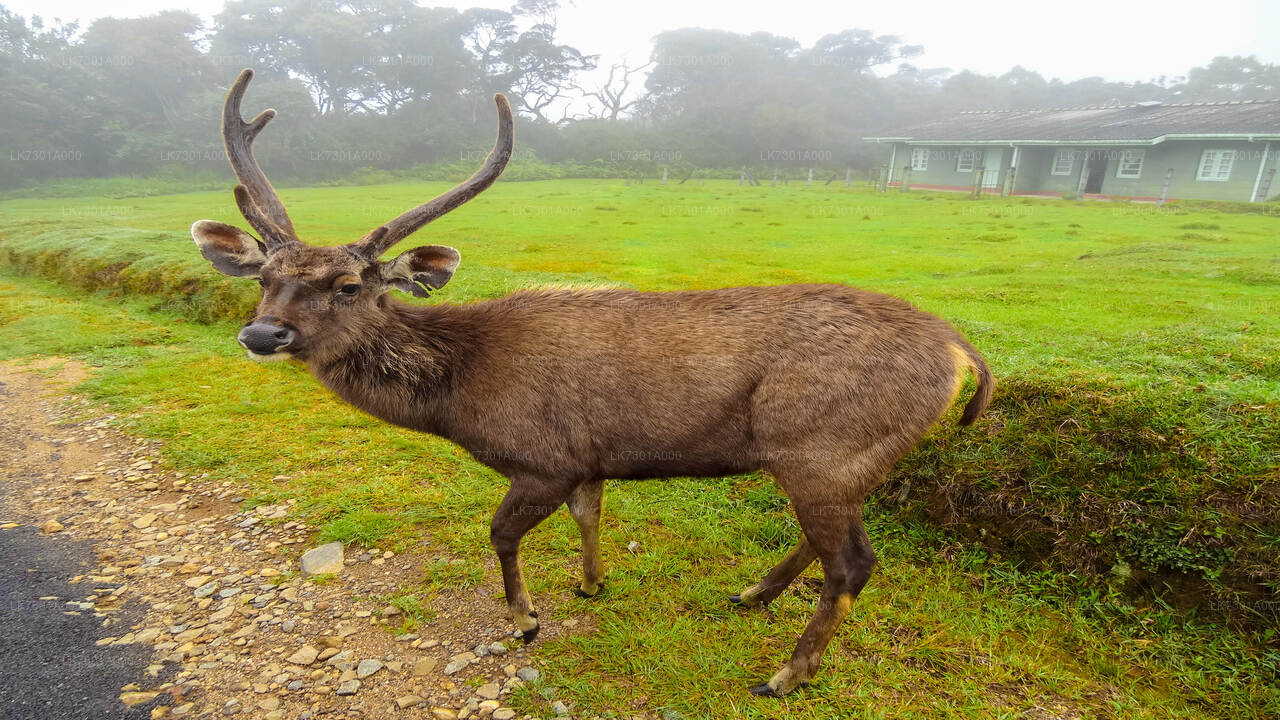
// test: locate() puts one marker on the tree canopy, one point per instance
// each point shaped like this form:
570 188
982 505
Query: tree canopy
390 84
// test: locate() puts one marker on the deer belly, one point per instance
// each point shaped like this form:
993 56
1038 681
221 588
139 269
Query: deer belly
646 464
689 444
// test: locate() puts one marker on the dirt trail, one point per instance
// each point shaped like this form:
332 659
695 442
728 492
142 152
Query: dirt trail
214 592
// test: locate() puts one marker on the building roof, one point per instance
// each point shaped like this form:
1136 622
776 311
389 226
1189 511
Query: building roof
1142 123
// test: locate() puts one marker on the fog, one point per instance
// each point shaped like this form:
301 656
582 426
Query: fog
386 89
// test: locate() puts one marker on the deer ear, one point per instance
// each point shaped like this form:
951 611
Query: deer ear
231 250
430 266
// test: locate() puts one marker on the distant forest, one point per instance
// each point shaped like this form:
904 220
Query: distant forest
377 89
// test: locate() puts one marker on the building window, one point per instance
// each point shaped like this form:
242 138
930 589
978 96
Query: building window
919 158
1130 165
967 160
1215 165
1063 161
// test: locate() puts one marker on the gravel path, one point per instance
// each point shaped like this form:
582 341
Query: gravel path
128 590
53 667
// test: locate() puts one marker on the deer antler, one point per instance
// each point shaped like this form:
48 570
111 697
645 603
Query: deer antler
257 200
372 246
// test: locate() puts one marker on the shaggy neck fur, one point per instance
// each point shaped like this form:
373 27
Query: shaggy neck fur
401 366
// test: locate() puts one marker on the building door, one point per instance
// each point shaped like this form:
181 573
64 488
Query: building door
993 162
1096 167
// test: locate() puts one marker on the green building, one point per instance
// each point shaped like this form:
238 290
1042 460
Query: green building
1147 151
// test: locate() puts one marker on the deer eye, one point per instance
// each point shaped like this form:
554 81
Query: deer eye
349 289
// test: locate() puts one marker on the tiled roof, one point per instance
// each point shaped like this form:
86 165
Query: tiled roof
1140 122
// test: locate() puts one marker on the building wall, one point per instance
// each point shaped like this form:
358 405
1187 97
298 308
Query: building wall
1184 158
941 170
1181 155
1033 166
1034 171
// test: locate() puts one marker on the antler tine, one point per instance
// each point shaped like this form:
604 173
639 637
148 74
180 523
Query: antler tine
258 201
372 246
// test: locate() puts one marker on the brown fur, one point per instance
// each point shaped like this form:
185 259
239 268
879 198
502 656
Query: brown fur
624 384
823 386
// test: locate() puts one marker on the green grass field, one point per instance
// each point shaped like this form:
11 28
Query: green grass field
1104 544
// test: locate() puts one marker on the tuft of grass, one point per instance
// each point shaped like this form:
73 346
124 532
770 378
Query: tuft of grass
416 613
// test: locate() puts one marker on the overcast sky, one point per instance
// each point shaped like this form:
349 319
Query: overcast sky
1114 39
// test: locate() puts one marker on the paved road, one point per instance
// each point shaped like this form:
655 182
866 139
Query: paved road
50 668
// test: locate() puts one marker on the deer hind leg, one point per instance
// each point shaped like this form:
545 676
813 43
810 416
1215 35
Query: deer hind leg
584 506
779 578
847 559
526 504
828 498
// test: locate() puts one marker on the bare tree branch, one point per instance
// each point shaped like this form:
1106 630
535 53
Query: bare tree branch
612 94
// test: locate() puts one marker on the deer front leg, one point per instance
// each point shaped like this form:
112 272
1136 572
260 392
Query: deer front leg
584 506
527 503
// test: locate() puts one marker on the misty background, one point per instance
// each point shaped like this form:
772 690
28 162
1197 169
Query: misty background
380 90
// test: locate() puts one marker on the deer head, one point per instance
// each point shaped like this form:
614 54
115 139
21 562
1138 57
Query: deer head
311 293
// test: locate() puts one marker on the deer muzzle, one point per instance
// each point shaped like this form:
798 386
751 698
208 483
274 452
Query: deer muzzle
265 339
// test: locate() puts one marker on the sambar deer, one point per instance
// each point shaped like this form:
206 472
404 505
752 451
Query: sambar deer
823 386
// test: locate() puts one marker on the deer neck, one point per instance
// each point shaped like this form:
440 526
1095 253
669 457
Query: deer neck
402 367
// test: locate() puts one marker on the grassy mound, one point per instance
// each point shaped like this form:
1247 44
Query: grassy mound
99 260
1171 494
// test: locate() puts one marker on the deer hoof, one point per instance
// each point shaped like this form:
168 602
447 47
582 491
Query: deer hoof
576 590
530 635
738 602
767 690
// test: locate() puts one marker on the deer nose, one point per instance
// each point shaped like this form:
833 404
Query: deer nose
263 338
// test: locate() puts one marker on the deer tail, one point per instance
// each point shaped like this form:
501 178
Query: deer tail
986 385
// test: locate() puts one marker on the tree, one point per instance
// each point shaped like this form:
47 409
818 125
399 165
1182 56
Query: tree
323 43
417 56
612 94
486 35
859 51
49 120
542 71
1232 78
146 67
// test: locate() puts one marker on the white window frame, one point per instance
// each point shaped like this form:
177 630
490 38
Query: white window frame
974 156
1058 156
1220 160
919 159
1124 157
